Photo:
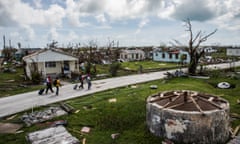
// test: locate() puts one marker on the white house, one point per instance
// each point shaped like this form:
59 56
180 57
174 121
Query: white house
233 51
50 62
175 55
132 55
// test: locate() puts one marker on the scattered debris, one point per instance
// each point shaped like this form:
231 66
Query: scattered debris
77 111
167 141
235 115
133 86
11 117
85 130
9 127
41 116
113 100
20 131
84 141
87 107
68 108
115 135
235 132
10 81
223 85
52 135
153 86
58 123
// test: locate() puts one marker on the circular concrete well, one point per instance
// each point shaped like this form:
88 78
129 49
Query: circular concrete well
188 117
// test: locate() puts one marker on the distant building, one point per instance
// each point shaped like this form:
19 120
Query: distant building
234 51
50 62
209 50
171 55
21 52
132 55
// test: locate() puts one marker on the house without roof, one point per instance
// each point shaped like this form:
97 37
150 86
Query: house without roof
171 55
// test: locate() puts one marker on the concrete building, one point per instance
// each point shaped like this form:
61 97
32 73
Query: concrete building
132 55
50 62
171 55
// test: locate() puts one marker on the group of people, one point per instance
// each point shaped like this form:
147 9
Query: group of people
49 83
57 83
81 78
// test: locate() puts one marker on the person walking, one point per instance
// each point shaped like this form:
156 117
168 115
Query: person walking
81 78
89 81
57 83
49 84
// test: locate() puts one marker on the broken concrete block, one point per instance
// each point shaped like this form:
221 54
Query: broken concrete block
114 136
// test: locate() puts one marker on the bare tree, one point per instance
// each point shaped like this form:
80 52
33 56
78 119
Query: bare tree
193 46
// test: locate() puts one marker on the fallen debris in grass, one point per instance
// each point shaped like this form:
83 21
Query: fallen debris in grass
85 129
153 86
115 135
56 135
41 116
113 100
68 108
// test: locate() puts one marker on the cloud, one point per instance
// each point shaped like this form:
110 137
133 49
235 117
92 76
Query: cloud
16 12
143 22
38 3
53 34
6 15
197 10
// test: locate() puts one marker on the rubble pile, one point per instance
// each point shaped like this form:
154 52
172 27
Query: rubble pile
41 116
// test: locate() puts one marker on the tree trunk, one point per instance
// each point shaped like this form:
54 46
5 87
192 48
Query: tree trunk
193 65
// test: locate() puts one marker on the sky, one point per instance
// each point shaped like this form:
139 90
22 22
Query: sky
36 23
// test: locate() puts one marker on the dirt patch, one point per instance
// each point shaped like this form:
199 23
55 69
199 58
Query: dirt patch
9 127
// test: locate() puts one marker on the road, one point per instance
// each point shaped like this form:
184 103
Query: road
20 102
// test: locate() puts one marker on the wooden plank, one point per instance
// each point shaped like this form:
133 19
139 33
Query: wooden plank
198 107
161 98
210 102
171 101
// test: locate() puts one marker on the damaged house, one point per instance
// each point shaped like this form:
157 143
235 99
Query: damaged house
171 55
52 62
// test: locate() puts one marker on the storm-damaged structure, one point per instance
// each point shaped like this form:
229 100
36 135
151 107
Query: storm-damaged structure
188 117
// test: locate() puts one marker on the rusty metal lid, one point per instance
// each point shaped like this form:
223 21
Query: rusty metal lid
186 100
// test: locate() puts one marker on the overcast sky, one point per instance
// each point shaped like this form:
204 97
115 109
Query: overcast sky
34 23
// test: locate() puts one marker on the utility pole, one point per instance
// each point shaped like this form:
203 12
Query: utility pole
4 42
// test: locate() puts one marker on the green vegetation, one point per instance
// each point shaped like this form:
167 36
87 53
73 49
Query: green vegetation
148 65
13 83
127 115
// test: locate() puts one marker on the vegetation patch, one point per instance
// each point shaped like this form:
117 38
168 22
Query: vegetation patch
127 115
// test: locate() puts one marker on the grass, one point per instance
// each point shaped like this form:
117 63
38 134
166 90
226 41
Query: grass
128 115
147 65
14 83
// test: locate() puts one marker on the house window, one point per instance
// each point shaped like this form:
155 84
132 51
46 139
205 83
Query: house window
183 57
136 56
170 56
50 64
176 56
156 54
163 55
